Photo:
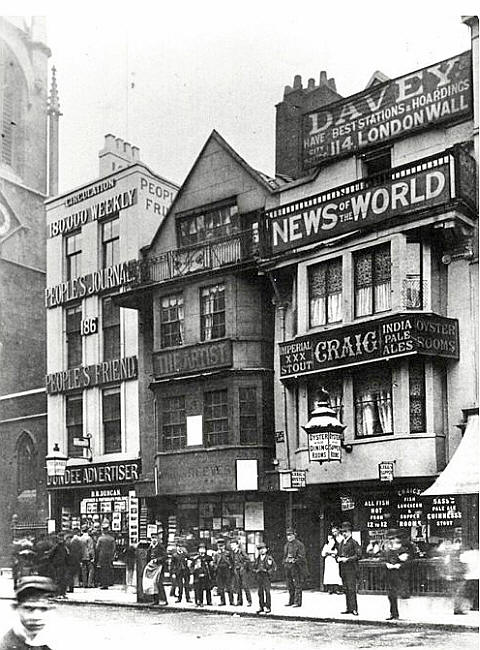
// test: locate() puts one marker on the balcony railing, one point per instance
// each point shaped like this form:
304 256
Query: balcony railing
413 292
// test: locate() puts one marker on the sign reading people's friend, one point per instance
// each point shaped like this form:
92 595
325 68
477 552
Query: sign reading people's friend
97 374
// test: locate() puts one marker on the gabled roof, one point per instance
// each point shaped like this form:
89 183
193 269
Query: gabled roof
270 184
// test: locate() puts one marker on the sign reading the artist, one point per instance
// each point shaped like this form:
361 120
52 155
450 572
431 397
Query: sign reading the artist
192 358
387 337
97 374
324 447
435 95
98 474
347 208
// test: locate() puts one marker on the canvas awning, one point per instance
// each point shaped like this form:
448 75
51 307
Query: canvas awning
461 475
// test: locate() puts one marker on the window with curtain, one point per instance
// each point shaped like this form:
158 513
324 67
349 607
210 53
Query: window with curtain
73 254
174 423
212 312
26 463
215 223
247 403
215 418
74 416
373 402
110 242
416 384
171 320
325 292
372 278
112 420
333 384
73 318
110 329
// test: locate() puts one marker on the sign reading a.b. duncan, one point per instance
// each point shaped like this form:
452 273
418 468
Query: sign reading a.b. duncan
387 337
418 100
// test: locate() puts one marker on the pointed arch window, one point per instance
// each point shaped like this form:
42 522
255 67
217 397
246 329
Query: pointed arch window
13 93
26 463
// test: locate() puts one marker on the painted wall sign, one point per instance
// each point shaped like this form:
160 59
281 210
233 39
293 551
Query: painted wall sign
387 337
97 374
88 192
111 277
434 95
127 471
192 358
343 209
100 210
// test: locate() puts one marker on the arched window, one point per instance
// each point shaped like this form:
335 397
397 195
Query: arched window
26 463
13 93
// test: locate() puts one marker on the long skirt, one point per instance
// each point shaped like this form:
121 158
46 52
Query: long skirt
151 578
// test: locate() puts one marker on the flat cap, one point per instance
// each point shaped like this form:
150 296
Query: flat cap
346 525
290 531
261 545
34 584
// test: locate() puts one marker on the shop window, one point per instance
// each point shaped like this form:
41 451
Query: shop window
333 384
110 242
215 418
74 413
112 421
73 317
26 463
171 320
373 402
73 254
174 423
212 224
372 272
110 329
416 383
212 312
325 292
247 402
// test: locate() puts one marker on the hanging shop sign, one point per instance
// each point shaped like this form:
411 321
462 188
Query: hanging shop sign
192 358
437 94
82 377
324 447
385 470
96 211
393 336
111 277
299 478
357 205
117 472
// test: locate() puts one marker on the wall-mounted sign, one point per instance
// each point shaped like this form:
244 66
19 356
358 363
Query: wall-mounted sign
357 205
192 358
444 512
347 503
324 447
133 518
97 474
437 94
380 339
88 192
97 374
100 210
379 512
111 277
299 478
385 470
89 326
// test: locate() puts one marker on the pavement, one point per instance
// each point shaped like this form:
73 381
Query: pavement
418 611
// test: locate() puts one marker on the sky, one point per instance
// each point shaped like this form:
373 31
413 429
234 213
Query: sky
162 75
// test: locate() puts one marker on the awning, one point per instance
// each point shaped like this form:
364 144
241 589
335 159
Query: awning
460 476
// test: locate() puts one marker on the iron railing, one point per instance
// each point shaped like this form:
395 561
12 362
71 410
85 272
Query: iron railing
424 576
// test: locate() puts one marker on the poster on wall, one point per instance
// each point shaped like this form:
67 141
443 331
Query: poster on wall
254 519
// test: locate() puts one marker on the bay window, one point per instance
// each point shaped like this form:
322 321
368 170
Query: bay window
171 320
212 312
373 402
215 418
372 277
174 423
325 292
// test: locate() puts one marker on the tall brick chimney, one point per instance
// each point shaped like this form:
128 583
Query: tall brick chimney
116 154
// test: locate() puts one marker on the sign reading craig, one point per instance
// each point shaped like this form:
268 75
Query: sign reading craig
433 95
410 189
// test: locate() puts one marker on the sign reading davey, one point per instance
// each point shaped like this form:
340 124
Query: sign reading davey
344 209
433 95
98 474
386 337
193 358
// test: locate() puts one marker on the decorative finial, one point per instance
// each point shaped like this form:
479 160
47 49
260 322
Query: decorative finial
53 101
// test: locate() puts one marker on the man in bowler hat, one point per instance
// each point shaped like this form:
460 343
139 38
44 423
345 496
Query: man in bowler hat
295 564
349 553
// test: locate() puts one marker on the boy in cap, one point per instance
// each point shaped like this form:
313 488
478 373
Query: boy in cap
264 567
349 553
223 565
240 571
295 563
202 576
33 602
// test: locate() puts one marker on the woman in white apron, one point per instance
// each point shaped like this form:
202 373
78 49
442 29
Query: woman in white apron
331 574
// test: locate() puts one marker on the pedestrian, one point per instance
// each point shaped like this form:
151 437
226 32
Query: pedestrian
223 565
152 580
181 572
95 532
202 571
455 571
349 553
168 570
105 551
395 557
74 546
264 567
470 559
240 573
59 558
87 557
295 563
33 601
337 535
43 550
331 574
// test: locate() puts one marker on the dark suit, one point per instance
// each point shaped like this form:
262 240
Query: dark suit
350 550
295 564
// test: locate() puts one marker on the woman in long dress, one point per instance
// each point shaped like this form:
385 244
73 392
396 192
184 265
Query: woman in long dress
331 574
152 579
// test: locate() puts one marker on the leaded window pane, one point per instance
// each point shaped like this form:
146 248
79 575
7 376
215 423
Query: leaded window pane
171 320
174 423
215 418
247 399
373 402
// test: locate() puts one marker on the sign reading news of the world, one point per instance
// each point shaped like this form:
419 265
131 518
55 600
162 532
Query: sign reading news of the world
433 95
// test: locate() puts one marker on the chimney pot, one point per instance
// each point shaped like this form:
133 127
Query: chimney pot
135 153
127 148
119 143
332 84
311 84
323 78
297 82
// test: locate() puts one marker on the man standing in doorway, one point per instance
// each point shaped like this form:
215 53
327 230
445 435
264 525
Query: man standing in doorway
295 563
349 553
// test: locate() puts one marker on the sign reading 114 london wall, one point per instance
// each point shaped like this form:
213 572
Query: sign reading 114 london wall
418 100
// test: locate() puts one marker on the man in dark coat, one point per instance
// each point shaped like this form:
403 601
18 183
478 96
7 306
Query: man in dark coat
295 564
202 572
59 558
105 551
74 546
395 556
181 572
349 553
223 565
241 571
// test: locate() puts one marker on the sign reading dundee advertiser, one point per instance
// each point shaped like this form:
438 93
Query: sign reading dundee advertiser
433 95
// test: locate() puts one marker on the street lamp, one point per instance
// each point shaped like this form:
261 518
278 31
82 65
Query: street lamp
56 462
325 431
